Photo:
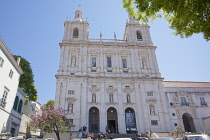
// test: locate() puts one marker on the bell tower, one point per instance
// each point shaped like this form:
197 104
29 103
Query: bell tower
136 33
76 30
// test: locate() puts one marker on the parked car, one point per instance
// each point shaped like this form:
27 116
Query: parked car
179 138
15 138
122 139
196 137
162 138
139 138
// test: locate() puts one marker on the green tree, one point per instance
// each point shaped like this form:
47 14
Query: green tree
186 17
177 132
27 79
50 104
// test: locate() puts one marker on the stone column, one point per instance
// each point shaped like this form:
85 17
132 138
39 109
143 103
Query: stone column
121 109
83 104
103 107
141 108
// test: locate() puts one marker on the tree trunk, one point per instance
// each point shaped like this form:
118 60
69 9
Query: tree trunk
57 134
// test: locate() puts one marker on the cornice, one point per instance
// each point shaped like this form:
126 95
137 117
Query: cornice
99 45
108 77
10 56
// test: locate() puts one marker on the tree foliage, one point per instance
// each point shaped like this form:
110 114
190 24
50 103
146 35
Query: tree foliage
177 132
50 104
51 120
27 79
186 17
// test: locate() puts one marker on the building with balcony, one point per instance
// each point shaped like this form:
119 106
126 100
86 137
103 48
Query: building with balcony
188 104
30 108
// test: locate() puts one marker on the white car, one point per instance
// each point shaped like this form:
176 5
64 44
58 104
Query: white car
196 137
15 138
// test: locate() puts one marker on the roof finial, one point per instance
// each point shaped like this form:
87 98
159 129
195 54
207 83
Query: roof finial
100 34
79 6
115 36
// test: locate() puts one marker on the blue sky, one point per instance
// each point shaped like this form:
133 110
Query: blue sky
33 29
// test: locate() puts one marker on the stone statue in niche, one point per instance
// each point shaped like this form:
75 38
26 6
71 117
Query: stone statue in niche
152 109
94 98
128 98
111 98
73 61
144 63
70 108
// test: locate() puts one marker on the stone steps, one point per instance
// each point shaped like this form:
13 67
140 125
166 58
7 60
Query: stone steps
121 135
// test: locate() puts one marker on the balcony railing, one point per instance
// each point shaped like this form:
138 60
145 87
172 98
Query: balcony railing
2 103
203 104
182 104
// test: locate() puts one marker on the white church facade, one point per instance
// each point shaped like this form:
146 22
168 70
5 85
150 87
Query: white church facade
116 84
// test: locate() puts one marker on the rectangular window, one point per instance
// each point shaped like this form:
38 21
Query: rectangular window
70 121
4 98
109 62
1 62
10 73
183 101
71 92
124 62
149 93
154 122
202 101
93 62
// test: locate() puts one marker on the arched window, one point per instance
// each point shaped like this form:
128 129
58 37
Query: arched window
130 120
128 98
111 98
16 103
75 33
20 106
138 35
70 108
94 97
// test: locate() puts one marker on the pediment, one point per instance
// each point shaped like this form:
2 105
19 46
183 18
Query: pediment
71 99
111 90
128 90
182 93
75 51
124 52
152 101
108 52
143 52
94 51
94 89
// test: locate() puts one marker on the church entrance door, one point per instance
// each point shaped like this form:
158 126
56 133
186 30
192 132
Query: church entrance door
188 123
94 120
112 121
